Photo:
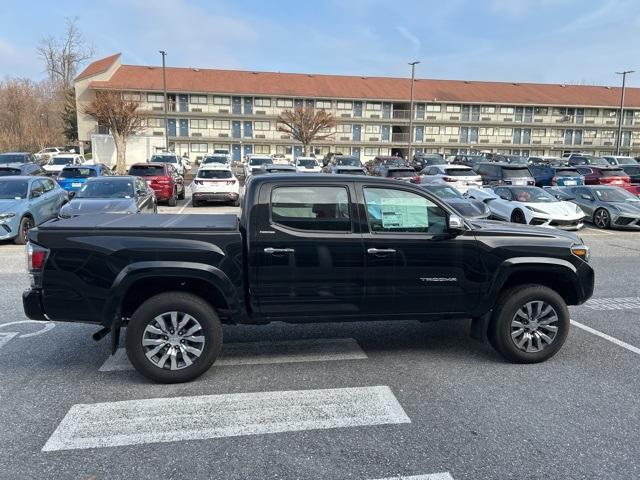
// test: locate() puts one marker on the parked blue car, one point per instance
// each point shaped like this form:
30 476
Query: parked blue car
26 202
73 177
556 176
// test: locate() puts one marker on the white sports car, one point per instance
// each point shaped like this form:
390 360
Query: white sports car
529 205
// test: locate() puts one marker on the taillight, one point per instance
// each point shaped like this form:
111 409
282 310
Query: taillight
198 182
231 182
36 257
163 181
450 179
416 179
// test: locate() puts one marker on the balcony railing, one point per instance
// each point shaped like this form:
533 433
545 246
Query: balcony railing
399 137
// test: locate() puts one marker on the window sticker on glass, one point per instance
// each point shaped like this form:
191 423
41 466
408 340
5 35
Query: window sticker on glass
407 212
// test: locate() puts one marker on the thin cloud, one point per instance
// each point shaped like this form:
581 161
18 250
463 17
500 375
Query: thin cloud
415 41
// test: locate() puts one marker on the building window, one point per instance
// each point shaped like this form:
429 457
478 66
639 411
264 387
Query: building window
262 126
486 131
506 110
432 130
370 151
284 103
539 132
221 101
505 132
590 134
607 133
451 130
284 149
376 107
262 149
372 129
132 97
155 122
221 124
198 99
155 98
433 107
541 111
326 104
487 109
345 105
453 108
262 102
199 147
199 124
343 128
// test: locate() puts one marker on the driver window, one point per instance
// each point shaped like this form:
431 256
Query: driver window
503 193
394 211
37 187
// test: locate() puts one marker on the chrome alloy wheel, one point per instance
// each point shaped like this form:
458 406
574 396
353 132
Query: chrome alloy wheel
173 340
532 328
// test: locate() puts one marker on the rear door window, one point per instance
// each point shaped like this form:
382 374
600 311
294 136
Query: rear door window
311 208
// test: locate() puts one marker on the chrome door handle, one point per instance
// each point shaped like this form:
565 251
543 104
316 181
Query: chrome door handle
381 251
278 251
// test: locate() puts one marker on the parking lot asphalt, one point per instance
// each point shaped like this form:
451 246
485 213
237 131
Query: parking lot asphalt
365 400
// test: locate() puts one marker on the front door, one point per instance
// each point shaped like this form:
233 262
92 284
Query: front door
355 151
248 130
298 103
235 129
235 152
413 264
248 105
386 110
183 103
248 150
171 127
297 151
184 127
357 132
386 133
357 109
236 105
306 256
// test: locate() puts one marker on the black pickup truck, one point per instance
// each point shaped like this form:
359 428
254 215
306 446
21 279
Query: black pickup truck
306 248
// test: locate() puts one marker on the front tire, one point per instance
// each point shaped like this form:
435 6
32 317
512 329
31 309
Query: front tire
173 337
518 217
530 324
172 202
602 218
23 231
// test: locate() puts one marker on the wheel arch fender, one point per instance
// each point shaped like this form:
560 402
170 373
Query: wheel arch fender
154 270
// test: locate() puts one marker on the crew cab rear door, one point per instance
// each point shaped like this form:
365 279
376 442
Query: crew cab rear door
413 264
306 257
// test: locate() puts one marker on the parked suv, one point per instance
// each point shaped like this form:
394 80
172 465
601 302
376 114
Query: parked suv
344 164
378 163
11 169
181 164
422 160
215 183
512 159
607 175
504 174
469 160
548 176
460 177
57 163
620 160
576 160
163 178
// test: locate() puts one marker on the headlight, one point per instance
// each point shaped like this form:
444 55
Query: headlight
7 216
534 209
581 251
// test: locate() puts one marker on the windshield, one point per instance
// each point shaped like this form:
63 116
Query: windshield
444 192
12 158
307 163
10 189
401 173
107 189
215 174
61 160
532 195
515 172
259 161
614 195
460 172
350 162
147 171
215 159
78 173
7 171
164 159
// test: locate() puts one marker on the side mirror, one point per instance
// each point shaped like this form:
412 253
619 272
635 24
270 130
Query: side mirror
71 194
456 224
36 194
584 196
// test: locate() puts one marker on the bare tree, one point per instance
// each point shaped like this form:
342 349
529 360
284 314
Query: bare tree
121 116
306 125
63 56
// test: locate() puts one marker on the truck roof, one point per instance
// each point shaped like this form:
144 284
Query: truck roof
165 222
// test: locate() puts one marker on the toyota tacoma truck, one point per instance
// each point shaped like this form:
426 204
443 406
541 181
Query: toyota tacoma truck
306 248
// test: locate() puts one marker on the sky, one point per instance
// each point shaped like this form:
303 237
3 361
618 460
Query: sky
555 41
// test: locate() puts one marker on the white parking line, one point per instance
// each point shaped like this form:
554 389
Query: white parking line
620 343
5 337
256 353
431 476
619 303
135 422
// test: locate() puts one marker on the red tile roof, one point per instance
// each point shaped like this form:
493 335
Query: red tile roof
135 77
99 66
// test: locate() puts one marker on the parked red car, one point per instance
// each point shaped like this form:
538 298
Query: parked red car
163 178
613 176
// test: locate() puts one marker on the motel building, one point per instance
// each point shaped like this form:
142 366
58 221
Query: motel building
210 109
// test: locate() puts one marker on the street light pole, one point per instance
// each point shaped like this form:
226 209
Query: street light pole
413 77
164 88
624 81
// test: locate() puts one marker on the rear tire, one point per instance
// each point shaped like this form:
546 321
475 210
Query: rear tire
181 194
173 201
530 324
195 202
202 336
23 231
236 202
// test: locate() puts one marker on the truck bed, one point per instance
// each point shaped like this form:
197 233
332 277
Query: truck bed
166 222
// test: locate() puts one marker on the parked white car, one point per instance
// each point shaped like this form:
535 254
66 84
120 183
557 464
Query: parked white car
529 205
181 164
215 183
254 162
47 153
57 163
307 165
460 177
